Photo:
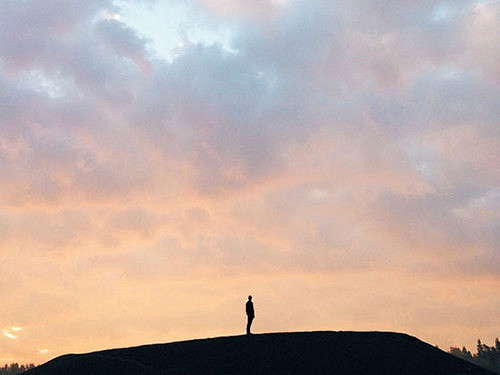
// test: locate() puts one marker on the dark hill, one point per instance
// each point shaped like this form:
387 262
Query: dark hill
342 353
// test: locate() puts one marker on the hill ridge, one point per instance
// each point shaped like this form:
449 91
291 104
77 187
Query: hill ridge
276 353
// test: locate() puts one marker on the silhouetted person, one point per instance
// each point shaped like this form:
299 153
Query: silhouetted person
250 313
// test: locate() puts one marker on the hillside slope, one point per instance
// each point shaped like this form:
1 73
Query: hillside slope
304 353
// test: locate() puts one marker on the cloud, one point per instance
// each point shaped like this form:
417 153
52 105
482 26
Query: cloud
123 41
371 97
483 36
29 28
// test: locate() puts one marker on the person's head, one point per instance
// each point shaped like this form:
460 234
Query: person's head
249 298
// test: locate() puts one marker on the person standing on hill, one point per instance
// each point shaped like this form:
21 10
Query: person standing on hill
250 313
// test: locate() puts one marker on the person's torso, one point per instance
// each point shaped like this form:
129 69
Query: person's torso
249 308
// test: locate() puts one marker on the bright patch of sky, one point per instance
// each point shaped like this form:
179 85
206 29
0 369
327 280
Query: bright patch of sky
170 24
442 13
445 11
451 73
10 332
422 159
41 83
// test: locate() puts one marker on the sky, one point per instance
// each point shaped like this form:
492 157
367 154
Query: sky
161 160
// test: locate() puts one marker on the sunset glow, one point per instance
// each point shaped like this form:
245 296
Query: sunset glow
162 160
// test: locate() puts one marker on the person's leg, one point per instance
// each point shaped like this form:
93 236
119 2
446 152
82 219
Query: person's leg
249 323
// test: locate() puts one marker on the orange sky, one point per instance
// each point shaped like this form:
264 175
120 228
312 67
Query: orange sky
160 161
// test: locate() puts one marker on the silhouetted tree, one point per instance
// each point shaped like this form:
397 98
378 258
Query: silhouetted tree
480 349
15 368
456 352
466 353
486 356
